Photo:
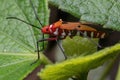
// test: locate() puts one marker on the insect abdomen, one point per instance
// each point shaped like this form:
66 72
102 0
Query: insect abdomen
91 34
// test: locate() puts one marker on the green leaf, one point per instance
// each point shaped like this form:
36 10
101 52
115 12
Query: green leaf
16 66
17 39
105 12
16 36
118 75
79 66
79 46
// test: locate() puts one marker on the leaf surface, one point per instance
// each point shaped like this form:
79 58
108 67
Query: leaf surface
118 75
17 39
80 65
105 12
16 66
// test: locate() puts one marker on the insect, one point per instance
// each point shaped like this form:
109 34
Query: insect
61 29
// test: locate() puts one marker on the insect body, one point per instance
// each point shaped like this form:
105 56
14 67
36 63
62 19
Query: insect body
63 29
60 30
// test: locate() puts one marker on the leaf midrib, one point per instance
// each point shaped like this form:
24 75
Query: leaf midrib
16 62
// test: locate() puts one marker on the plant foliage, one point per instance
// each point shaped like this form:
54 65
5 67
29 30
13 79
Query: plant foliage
18 40
79 66
105 12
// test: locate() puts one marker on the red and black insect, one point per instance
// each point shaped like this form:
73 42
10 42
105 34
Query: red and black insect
61 29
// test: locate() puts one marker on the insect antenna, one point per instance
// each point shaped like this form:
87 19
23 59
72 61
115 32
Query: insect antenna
36 16
23 21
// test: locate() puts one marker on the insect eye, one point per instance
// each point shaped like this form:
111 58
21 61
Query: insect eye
46 29
79 26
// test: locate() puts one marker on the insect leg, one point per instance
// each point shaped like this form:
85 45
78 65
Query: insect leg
61 49
90 39
38 50
36 16
41 40
48 39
